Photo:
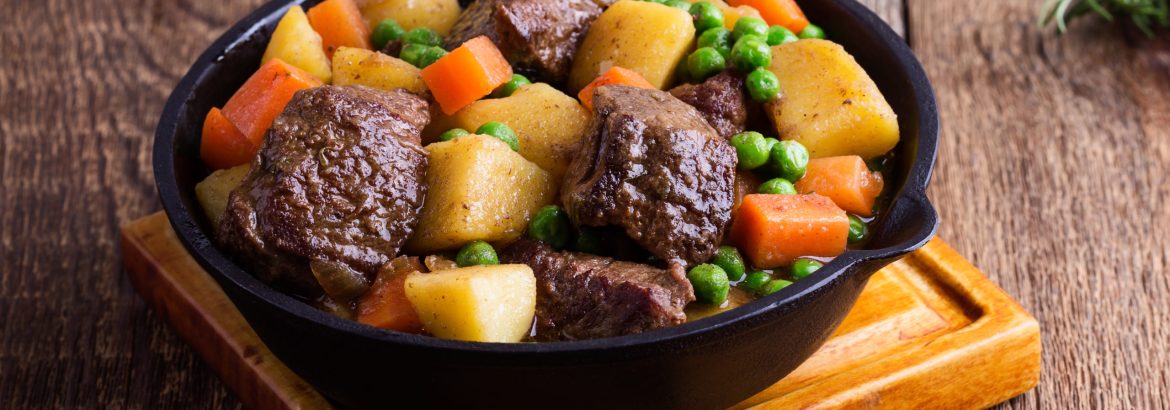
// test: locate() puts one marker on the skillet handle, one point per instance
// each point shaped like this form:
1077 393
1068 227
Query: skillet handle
909 224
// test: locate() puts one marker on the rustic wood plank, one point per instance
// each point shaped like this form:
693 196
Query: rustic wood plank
172 282
81 87
1053 178
892 11
82 83
920 320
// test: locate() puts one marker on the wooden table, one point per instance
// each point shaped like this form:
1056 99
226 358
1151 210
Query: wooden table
1052 178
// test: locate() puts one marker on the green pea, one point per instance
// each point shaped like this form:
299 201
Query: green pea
858 229
500 130
706 16
710 283
778 35
774 286
762 85
511 86
756 280
788 160
453 134
752 149
771 143
777 186
812 31
679 4
751 52
477 253
551 225
388 30
729 259
431 55
424 36
718 38
802 268
412 53
749 25
589 240
703 63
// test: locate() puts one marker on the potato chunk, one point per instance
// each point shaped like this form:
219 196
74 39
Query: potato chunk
357 66
479 189
438 15
828 103
649 38
295 42
479 303
213 191
548 124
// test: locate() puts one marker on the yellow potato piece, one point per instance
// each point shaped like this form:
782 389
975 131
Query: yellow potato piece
357 66
494 303
548 124
828 103
478 189
214 190
438 15
646 37
295 42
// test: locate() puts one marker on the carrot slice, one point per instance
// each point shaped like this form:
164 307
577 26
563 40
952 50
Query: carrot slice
777 12
466 74
615 75
774 230
846 180
385 305
257 103
223 145
340 24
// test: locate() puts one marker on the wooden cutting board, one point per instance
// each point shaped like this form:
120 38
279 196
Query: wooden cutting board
928 331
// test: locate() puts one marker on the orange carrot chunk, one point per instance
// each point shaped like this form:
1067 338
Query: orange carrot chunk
466 74
340 24
774 230
846 180
223 145
385 305
615 75
777 12
257 103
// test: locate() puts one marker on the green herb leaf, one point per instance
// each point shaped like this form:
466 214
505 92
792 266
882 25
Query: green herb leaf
1146 15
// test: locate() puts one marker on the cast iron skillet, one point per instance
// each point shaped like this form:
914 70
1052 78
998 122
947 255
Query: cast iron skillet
709 363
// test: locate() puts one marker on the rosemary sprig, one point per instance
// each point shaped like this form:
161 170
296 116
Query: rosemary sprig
1145 14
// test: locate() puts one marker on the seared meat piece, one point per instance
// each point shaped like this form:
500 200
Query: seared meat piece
583 296
392 48
651 165
539 37
721 99
338 185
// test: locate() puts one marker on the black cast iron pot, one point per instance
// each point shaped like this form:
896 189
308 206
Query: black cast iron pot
709 363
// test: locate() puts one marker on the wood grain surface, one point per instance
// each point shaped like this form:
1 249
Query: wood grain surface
1052 178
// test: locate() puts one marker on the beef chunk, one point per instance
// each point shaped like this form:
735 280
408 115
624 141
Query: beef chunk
583 296
651 165
721 99
539 37
392 48
337 183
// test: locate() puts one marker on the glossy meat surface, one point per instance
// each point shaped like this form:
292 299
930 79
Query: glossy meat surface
721 99
653 166
583 296
337 183
539 37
